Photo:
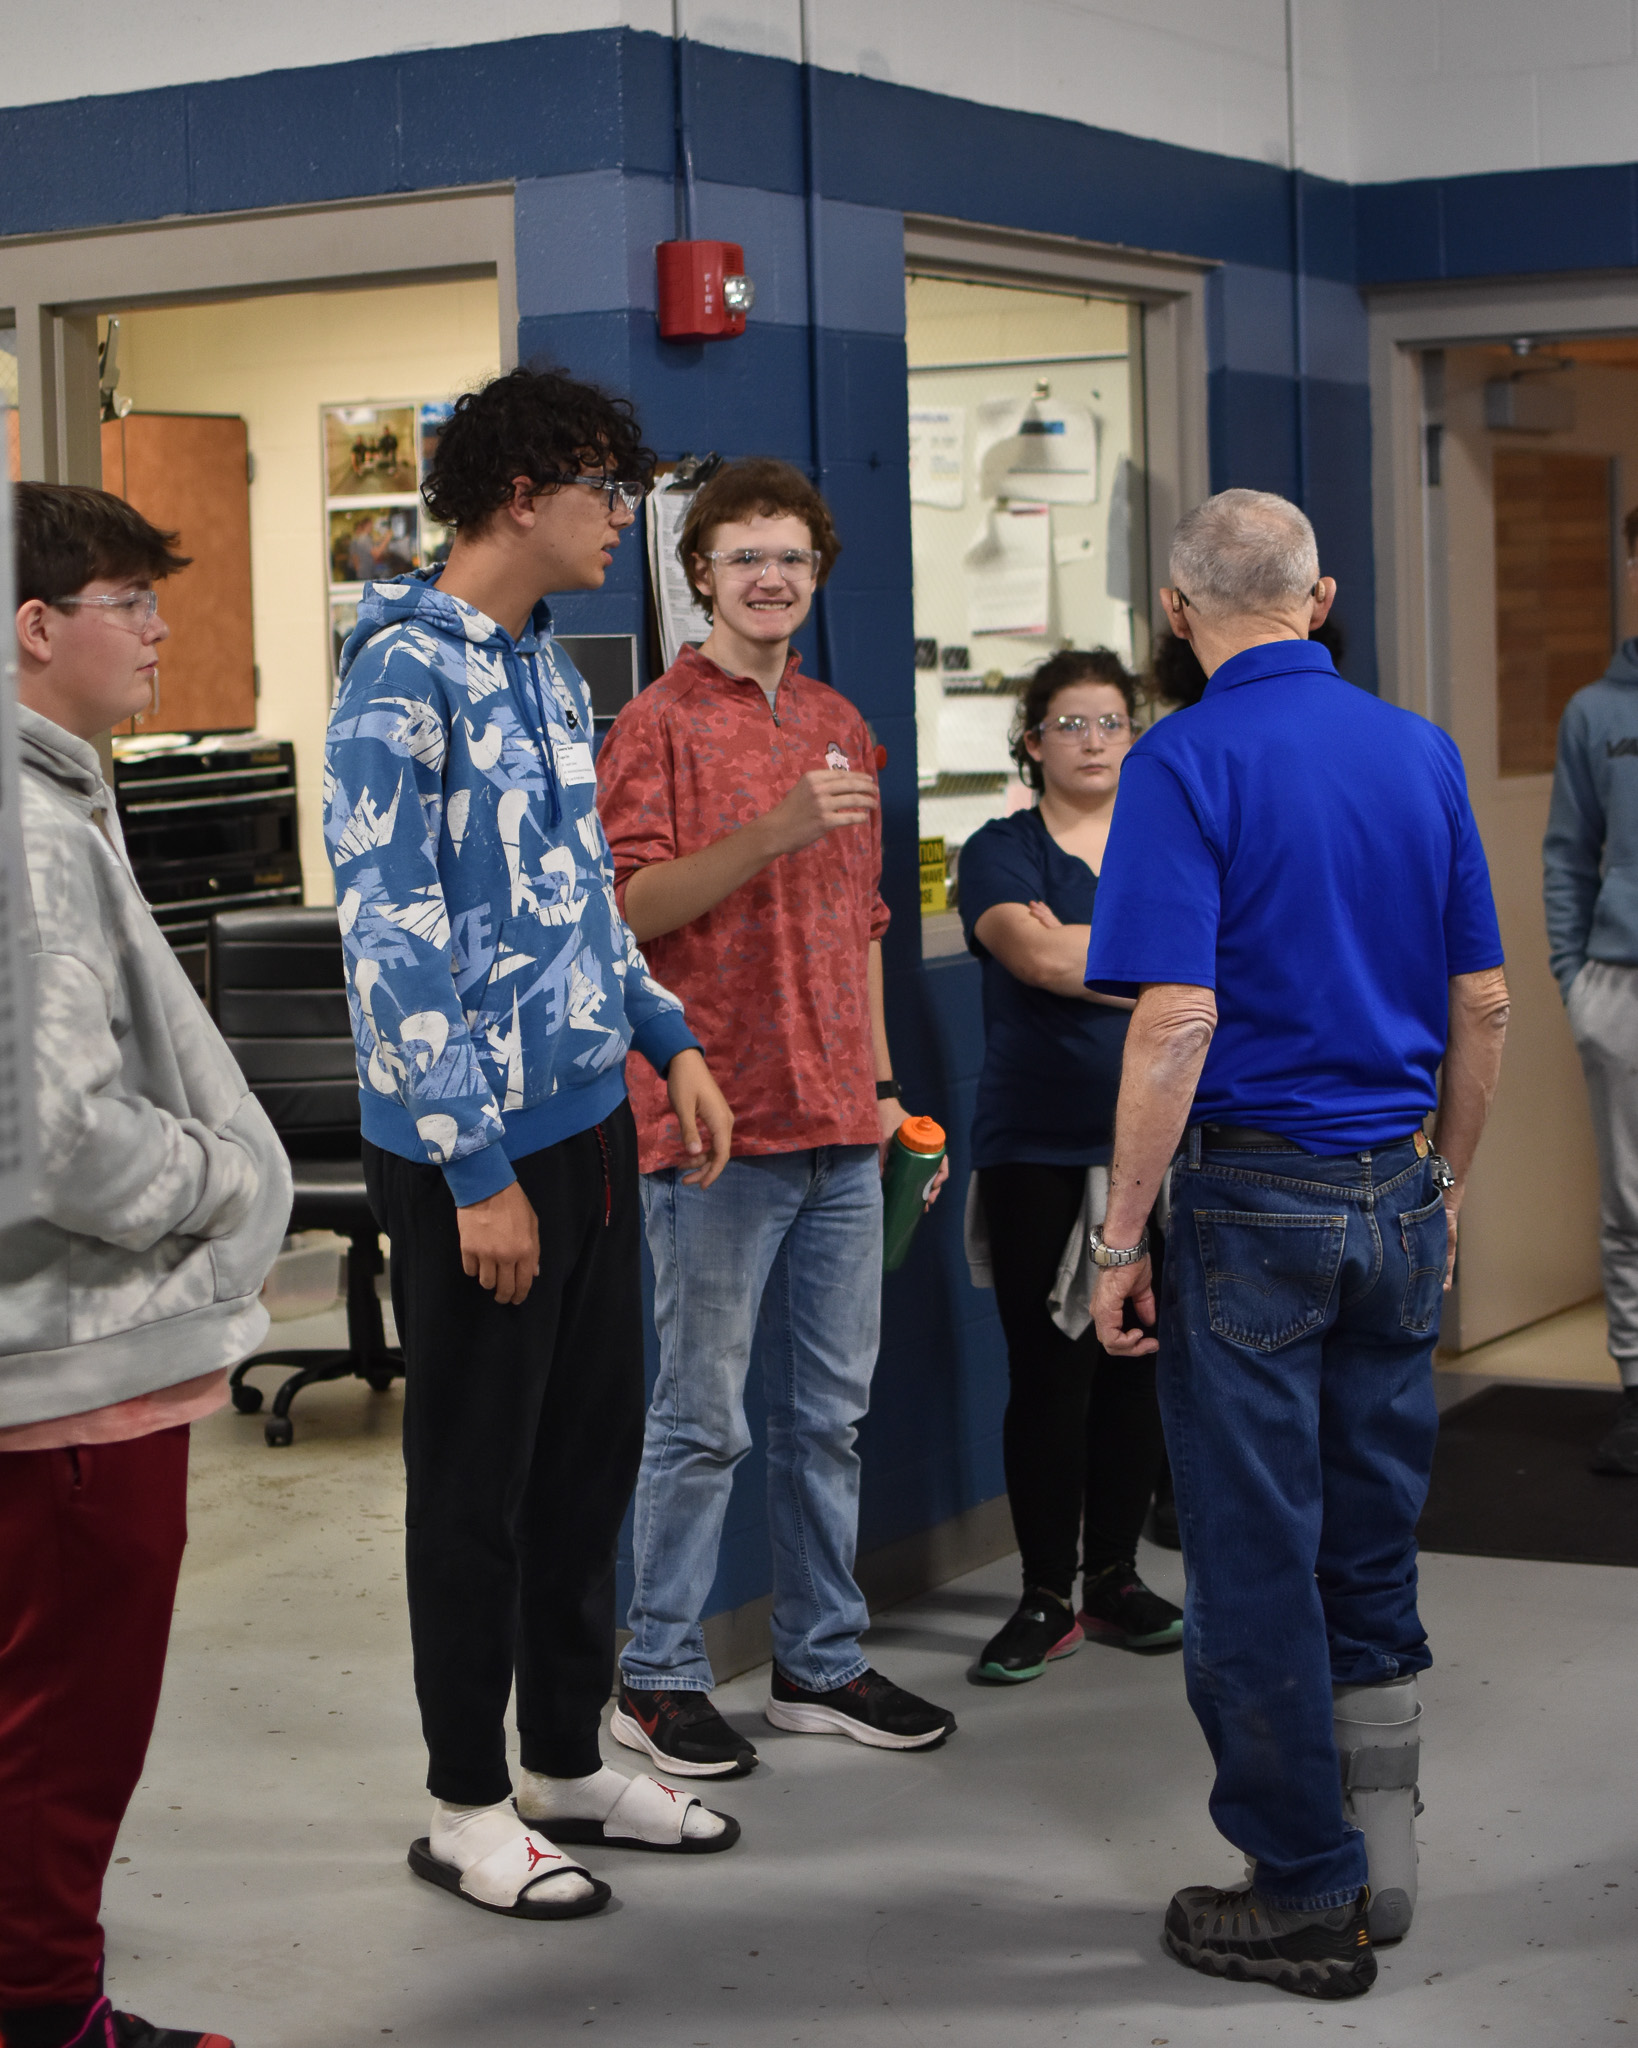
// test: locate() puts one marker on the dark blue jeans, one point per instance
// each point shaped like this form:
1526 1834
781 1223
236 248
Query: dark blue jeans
1301 1310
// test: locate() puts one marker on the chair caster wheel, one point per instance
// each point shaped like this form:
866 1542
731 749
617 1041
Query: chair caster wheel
278 1430
379 1382
246 1398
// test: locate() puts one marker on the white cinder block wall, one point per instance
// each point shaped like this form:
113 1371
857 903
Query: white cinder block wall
1386 89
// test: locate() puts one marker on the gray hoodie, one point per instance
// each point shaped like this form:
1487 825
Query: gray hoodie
163 1192
1590 854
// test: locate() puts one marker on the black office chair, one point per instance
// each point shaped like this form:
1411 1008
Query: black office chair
278 992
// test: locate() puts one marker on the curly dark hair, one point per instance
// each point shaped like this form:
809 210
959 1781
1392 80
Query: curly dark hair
1062 672
759 485
535 423
1181 681
1178 677
68 535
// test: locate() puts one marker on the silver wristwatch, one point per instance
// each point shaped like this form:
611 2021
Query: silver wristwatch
1106 1255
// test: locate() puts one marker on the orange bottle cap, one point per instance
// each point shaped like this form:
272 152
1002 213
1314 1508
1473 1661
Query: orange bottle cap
921 1134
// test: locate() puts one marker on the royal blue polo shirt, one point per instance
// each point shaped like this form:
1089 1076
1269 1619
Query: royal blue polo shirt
1309 853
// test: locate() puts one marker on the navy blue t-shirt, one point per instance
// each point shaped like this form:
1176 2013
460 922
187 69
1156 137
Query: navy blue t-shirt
1309 852
1051 1063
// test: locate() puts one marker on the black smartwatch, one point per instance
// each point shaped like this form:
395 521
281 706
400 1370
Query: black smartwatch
887 1091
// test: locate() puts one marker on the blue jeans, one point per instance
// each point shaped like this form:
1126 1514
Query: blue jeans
1301 1310
783 1254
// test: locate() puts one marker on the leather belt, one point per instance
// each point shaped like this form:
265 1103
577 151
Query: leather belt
1244 1138
1247 1138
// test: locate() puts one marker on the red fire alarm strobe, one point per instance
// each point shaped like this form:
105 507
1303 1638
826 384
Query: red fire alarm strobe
704 292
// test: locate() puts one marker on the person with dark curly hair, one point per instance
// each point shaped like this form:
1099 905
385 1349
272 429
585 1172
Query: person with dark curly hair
495 991
1081 1438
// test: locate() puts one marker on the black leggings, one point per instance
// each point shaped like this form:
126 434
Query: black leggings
1081 1439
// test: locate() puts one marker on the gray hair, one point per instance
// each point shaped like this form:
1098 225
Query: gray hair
1243 551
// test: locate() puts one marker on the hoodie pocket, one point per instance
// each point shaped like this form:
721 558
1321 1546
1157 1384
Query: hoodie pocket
242 1257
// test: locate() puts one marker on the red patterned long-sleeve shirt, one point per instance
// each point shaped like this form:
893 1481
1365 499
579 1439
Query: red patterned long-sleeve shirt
775 980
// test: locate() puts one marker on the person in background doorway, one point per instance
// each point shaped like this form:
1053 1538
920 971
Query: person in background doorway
161 1201
739 796
1081 1439
1295 890
1590 880
495 991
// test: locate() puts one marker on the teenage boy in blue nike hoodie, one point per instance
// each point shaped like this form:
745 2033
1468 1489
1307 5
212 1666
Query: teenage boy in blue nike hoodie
495 990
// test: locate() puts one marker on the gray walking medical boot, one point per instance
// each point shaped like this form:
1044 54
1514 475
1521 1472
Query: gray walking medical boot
1379 1749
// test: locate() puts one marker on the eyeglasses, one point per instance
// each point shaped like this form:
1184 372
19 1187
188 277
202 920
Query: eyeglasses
796 565
629 495
1110 723
134 610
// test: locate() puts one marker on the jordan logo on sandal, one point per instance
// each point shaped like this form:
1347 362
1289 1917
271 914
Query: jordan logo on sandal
537 1856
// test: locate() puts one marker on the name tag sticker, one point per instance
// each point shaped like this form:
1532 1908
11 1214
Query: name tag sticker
574 762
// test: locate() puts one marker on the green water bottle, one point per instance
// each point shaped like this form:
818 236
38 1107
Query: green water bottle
912 1160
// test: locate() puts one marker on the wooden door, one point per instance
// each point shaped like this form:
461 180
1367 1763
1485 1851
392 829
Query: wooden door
190 475
1553 597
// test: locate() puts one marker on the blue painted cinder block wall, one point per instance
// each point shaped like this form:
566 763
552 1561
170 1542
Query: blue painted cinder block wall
581 126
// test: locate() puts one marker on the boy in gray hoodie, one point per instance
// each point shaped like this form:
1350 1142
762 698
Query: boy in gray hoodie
1590 863
161 1200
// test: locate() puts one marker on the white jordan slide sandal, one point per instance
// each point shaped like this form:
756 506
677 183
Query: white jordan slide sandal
502 1882
649 1815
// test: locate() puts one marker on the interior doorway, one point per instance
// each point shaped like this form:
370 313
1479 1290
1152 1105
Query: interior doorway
1057 399
1025 503
1515 456
250 415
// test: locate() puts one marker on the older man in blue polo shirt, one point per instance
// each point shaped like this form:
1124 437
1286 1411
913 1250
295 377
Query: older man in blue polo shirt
1295 890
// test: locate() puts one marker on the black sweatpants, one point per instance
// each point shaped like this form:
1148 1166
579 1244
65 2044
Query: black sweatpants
523 1429
1081 1440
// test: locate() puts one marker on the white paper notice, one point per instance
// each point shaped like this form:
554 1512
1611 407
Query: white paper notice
1052 456
682 619
1070 548
938 439
998 422
1009 572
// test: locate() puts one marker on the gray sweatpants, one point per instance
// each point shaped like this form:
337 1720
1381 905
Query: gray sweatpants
1603 1012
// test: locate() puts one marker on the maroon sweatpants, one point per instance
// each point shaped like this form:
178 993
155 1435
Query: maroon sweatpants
90 1545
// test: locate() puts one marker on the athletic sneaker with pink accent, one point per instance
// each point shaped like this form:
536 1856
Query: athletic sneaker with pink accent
75 2026
1042 1629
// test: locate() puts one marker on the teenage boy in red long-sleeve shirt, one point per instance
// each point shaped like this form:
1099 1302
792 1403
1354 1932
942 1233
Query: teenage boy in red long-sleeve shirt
739 800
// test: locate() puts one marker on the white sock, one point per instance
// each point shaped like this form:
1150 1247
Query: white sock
547 1799
465 1835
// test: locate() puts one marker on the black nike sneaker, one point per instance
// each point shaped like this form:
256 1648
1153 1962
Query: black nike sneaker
870 1708
682 1732
1117 1607
125 2030
1239 1935
1042 1629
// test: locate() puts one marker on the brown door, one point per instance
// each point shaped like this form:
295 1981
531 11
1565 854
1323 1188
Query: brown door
189 474
1553 619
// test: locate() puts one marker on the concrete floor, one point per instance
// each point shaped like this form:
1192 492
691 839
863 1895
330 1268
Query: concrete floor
1007 1889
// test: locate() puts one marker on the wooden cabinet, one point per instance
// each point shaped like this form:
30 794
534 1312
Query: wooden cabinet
189 474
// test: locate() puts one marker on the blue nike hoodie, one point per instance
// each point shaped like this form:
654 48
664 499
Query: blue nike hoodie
494 986
1590 854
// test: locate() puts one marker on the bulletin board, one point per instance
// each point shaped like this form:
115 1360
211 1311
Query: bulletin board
376 457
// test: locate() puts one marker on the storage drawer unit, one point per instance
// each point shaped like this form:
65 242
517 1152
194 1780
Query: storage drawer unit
210 824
